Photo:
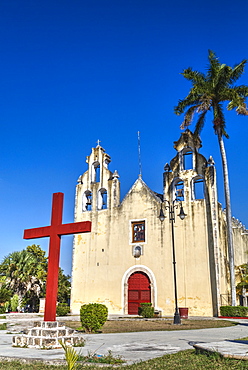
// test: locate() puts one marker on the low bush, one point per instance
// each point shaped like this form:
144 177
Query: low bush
3 326
62 309
146 310
234 311
2 309
93 316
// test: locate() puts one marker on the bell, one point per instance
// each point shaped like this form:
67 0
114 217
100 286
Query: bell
179 192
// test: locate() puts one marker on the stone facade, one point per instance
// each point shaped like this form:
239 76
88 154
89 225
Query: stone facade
128 240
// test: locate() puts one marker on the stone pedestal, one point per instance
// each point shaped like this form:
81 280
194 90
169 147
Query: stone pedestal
46 335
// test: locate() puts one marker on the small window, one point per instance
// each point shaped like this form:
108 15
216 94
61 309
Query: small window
179 190
198 189
188 160
138 231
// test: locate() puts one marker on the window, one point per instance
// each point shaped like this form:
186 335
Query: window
87 201
138 231
198 188
102 199
188 160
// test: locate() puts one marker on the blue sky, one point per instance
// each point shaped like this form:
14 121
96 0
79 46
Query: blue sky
73 72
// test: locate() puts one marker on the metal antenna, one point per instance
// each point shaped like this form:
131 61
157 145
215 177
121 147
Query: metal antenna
140 168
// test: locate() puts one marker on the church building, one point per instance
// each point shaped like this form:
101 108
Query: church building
128 256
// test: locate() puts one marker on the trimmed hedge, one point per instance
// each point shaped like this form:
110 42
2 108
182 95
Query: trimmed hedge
146 310
62 309
234 311
93 316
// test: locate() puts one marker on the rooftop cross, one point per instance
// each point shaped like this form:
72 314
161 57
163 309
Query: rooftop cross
54 231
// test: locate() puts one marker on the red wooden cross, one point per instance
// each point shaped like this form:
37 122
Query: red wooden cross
54 232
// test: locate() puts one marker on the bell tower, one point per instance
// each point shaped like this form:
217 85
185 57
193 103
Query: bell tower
98 188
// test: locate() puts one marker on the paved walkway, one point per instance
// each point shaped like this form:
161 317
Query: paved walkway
135 347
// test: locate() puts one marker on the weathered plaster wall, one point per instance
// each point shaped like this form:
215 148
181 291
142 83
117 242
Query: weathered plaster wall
103 259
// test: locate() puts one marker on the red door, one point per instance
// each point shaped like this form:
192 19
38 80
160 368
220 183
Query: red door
139 290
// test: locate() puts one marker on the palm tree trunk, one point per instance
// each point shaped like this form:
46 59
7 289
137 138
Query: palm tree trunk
228 216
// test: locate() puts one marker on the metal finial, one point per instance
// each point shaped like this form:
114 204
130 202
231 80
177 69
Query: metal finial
140 168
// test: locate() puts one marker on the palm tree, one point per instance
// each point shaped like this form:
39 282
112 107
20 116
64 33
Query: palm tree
210 92
24 272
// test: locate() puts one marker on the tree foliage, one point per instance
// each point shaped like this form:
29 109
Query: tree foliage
242 276
64 287
209 91
24 273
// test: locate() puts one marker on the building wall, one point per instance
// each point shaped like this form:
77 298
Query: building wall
103 260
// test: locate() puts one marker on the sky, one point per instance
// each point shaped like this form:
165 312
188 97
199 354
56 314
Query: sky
74 72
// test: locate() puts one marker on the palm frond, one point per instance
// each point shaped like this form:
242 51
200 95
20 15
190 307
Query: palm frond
242 90
200 123
188 117
213 66
237 71
222 78
191 99
194 76
242 110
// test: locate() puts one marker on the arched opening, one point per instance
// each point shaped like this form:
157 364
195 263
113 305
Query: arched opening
198 188
178 192
87 201
139 291
102 201
188 160
95 174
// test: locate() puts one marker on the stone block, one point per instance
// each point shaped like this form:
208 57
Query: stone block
51 324
36 341
62 332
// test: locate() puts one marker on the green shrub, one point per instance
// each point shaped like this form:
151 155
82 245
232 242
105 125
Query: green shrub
2 309
233 311
146 310
62 309
93 316
3 326
14 301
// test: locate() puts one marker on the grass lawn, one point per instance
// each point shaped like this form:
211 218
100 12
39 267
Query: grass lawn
127 326
185 360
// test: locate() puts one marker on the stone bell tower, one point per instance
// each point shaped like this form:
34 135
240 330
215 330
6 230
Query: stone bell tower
98 188
191 179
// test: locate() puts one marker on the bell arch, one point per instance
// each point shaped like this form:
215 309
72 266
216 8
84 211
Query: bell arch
145 270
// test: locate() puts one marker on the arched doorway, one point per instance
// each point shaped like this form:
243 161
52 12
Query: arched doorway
139 290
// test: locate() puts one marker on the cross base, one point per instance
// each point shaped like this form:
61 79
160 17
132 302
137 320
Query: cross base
46 335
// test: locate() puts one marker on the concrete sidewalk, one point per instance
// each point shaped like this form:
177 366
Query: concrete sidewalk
135 347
